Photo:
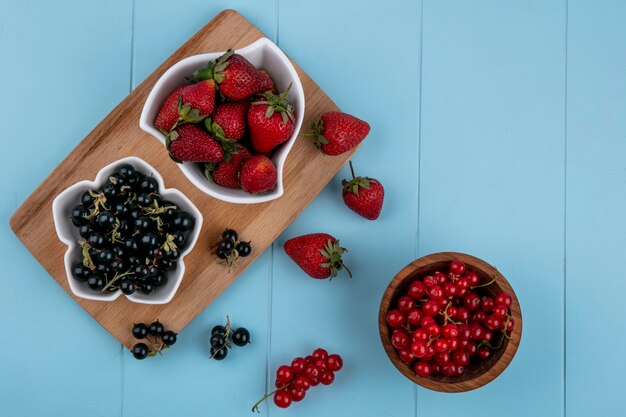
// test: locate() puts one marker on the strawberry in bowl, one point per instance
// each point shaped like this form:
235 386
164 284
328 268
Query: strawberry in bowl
229 120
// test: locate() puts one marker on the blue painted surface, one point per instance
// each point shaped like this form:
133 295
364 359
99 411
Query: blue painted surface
497 129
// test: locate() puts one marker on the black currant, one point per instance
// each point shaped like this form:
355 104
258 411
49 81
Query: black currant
79 214
127 286
183 221
218 329
241 336
156 253
81 272
226 246
156 328
143 224
133 214
219 354
103 269
221 254
105 256
87 199
118 250
96 240
149 241
140 351
141 271
159 279
172 254
179 239
167 264
131 245
110 191
230 234
121 209
217 340
140 331
118 265
144 200
152 270
127 170
243 249
146 287
148 184
169 338
96 282
85 230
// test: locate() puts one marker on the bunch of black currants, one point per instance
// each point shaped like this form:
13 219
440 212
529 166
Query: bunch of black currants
155 334
230 248
222 336
132 237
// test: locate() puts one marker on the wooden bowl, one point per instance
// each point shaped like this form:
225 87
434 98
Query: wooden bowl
476 375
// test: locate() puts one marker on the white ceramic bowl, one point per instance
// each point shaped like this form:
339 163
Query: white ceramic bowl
68 233
263 54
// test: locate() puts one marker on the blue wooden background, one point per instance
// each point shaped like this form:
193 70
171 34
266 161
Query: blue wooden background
498 129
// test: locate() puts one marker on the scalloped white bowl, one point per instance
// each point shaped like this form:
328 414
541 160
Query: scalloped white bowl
68 233
263 53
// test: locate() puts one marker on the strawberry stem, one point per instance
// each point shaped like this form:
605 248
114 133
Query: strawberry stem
352 170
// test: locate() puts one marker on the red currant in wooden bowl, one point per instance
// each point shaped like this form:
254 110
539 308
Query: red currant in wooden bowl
450 322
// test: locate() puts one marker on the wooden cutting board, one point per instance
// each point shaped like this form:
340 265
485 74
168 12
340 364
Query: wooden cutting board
307 172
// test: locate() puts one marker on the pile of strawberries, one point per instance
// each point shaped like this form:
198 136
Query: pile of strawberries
231 119
443 324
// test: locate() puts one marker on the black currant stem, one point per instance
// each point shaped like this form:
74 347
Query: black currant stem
255 407
217 351
115 278
352 169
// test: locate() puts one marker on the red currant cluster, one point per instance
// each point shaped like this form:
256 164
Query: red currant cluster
292 382
443 324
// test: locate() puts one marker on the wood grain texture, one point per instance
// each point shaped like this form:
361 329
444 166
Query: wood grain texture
307 172
476 375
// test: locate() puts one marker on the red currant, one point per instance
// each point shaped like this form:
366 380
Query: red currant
441 345
433 330
299 365
334 362
430 352
327 377
417 290
450 330
282 399
473 278
484 353
429 281
436 369
462 314
504 299
406 356
500 312
454 343
313 373
423 368
435 292
426 321
460 370
465 333
442 358
457 268
479 317
472 349
296 394
419 335
439 277
510 325
430 308
302 383
493 323
477 332
418 349
448 369
285 374
487 304
414 316
449 289
395 318
460 357
488 335
471 301
406 303
399 340
452 312
321 364
320 354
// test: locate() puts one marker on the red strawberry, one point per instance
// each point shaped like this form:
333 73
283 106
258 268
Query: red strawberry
268 85
229 120
197 101
258 174
226 173
271 121
363 195
168 115
338 132
318 254
189 143
236 77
